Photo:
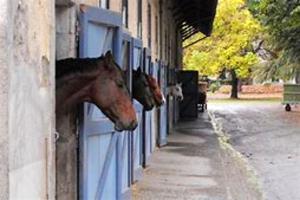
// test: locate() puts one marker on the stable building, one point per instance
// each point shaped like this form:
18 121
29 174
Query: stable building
81 156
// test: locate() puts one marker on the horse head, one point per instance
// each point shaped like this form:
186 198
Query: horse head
155 89
99 81
110 93
177 91
141 90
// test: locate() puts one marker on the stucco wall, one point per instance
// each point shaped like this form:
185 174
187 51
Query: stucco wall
27 99
66 158
3 101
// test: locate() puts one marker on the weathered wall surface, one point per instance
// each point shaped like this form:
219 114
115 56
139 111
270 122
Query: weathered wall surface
27 96
116 5
66 158
3 101
66 147
132 18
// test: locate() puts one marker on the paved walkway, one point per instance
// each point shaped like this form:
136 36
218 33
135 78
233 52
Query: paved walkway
189 167
197 164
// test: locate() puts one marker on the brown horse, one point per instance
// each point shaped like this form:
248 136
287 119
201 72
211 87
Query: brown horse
141 90
157 93
95 80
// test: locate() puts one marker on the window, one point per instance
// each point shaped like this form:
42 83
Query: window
149 25
139 19
104 4
125 13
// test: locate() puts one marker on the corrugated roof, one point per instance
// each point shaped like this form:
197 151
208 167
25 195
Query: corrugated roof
193 16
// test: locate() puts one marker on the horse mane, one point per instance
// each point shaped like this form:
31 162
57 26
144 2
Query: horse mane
69 66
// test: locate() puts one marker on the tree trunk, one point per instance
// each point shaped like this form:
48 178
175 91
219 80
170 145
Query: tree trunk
234 85
240 85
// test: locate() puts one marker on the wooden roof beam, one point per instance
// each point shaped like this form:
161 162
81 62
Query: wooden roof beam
190 34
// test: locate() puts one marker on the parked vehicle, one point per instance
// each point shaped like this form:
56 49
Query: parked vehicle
291 95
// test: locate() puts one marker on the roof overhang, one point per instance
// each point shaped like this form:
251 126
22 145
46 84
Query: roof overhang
193 16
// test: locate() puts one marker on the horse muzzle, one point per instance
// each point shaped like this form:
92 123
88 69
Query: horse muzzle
148 107
161 102
179 98
119 126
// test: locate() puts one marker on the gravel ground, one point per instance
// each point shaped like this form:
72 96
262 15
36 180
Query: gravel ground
268 139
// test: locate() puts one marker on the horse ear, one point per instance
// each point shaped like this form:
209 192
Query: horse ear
109 59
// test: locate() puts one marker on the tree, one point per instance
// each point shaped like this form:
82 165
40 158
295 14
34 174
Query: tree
229 47
282 21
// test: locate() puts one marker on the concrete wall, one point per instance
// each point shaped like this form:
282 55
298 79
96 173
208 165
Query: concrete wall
4 100
66 146
27 100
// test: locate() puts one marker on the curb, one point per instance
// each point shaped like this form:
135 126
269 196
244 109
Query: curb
250 178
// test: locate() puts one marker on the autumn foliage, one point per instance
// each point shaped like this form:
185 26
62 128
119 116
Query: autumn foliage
229 47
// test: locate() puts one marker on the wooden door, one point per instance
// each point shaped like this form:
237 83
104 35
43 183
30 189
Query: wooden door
162 134
188 108
101 148
137 135
147 133
126 59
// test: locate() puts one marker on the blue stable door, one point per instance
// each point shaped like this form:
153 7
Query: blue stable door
102 150
147 133
154 112
162 133
126 58
137 135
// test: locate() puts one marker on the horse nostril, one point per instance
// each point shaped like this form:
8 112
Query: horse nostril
133 124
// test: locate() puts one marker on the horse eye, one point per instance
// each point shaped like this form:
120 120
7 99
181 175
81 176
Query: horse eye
119 83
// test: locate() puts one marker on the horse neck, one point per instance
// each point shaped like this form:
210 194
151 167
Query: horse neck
136 80
74 89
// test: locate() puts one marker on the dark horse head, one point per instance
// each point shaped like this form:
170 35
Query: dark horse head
95 80
141 90
156 91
